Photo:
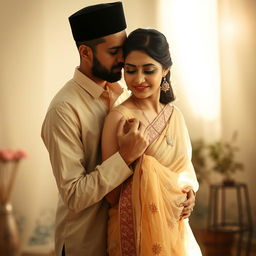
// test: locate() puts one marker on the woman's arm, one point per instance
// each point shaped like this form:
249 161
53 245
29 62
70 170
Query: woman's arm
109 146
187 179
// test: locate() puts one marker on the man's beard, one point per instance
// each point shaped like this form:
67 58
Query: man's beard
100 71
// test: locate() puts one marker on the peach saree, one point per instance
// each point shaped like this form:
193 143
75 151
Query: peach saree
146 221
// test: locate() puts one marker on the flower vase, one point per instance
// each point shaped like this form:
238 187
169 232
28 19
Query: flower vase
9 235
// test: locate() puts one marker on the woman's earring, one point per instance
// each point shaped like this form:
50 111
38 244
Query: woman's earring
165 85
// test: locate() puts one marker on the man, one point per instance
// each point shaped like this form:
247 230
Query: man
72 129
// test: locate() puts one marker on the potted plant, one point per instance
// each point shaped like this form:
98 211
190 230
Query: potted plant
219 157
222 155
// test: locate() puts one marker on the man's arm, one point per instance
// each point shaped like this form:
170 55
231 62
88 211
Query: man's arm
61 133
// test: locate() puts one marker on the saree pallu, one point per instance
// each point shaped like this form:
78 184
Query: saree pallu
146 221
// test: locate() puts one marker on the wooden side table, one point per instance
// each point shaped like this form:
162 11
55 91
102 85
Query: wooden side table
217 217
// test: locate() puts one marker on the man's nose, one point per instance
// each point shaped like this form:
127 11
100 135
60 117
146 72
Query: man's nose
120 57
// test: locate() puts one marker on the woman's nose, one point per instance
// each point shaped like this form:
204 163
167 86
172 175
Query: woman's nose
139 78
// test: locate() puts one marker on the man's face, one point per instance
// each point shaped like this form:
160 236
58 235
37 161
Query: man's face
108 58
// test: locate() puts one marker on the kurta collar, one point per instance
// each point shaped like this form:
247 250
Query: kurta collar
86 83
95 90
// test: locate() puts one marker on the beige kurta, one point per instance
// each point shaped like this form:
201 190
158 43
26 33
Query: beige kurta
71 132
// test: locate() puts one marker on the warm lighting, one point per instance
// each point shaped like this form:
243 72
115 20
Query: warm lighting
229 28
192 30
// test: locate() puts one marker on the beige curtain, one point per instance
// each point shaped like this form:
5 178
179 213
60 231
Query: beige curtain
213 45
237 26
192 31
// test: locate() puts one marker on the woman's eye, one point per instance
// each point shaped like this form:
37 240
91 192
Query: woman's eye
149 71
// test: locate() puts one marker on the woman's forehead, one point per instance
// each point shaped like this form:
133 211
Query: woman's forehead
140 58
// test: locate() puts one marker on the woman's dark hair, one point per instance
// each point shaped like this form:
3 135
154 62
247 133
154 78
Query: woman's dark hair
153 43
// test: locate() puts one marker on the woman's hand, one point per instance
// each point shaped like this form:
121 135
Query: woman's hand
188 204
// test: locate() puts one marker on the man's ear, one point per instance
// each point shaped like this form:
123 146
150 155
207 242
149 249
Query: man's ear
86 53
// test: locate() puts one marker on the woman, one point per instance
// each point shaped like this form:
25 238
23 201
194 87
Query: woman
145 214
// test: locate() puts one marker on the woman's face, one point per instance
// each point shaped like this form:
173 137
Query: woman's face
143 74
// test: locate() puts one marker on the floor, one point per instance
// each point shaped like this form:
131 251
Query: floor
220 245
211 245
52 254
29 254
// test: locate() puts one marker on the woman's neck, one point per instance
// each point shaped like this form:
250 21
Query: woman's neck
148 104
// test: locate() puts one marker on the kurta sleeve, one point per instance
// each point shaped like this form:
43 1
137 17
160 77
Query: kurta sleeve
79 189
187 177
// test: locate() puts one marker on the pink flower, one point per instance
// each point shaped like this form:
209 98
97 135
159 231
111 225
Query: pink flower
12 155
19 154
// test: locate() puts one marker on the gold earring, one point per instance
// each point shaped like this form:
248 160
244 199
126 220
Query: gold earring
165 85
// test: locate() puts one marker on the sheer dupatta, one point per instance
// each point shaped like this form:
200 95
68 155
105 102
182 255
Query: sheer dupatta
146 220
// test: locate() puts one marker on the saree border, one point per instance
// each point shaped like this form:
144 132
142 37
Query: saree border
127 235
159 123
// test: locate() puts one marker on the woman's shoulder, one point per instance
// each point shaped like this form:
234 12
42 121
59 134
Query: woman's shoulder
125 109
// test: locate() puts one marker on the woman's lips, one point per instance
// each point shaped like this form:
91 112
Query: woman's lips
141 88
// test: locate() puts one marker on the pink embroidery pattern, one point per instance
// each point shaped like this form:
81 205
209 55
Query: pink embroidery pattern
158 125
170 224
156 249
153 208
127 235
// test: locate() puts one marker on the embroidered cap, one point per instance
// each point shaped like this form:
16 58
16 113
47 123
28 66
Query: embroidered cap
97 21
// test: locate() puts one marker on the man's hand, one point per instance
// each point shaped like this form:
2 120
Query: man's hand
188 204
134 142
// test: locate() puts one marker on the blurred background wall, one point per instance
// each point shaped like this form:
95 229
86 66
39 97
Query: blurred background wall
213 46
